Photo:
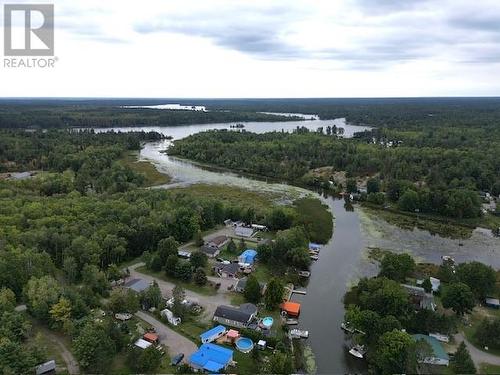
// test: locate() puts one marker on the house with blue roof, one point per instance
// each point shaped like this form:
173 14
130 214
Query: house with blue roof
212 358
439 356
213 334
248 256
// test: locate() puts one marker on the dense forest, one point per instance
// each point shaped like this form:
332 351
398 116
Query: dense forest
65 231
432 178
82 116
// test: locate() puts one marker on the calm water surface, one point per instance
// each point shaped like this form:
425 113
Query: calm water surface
344 259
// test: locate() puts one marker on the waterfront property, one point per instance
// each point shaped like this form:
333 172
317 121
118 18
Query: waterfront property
314 246
436 284
242 283
239 317
291 308
419 298
439 357
211 358
248 256
213 334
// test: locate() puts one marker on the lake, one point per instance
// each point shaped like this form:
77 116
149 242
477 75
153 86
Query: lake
344 259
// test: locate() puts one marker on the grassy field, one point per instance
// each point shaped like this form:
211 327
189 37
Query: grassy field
260 201
152 175
442 226
205 290
316 218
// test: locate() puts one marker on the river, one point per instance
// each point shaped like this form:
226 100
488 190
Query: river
344 259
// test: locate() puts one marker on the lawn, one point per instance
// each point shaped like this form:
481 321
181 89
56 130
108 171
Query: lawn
489 369
316 218
152 176
206 290
475 319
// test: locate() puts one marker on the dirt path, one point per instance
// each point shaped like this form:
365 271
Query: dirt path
71 362
478 356
175 342
209 303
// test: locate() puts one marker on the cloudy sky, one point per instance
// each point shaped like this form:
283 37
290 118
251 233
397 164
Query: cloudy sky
289 48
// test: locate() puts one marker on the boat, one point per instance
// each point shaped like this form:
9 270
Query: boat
358 351
345 327
314 257
292 322
299 334
304 273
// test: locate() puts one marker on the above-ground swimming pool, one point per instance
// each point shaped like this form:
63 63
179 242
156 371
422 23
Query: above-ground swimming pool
267 322
244 344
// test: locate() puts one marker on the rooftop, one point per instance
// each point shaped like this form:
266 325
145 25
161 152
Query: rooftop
232 268
212 332
137 285
211 357
242 314
437 348
291 307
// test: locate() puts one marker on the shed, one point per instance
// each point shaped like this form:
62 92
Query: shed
291 308
151 337
213 334
232 335
143 344
48 367
211 358
261 344
492 302
248 256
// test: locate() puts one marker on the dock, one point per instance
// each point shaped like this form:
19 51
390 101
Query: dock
299 334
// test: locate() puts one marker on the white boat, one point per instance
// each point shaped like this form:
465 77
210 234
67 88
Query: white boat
358 351
314 257
304 273
292 322
299 333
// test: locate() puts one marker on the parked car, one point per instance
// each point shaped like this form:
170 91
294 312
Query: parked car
177 359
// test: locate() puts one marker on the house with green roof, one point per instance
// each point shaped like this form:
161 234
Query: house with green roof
439 356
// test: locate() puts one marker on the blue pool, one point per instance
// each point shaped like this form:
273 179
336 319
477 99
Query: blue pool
244 344
267 322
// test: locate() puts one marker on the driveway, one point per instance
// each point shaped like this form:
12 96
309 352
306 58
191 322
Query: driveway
209 303
175 342
478 356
